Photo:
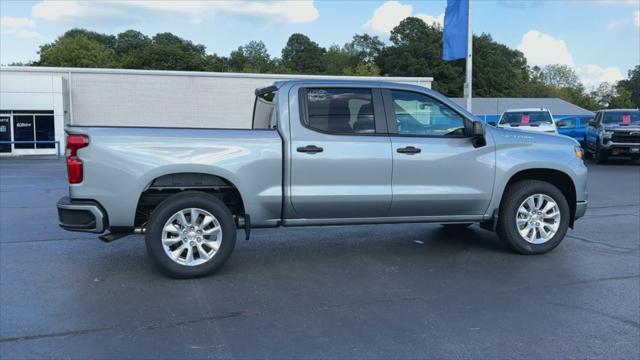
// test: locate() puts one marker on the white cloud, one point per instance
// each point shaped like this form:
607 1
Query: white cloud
636 18
592 75
543 49
283 11
389 14
20 27
614 2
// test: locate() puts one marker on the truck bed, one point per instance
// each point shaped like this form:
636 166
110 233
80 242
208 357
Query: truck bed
120 163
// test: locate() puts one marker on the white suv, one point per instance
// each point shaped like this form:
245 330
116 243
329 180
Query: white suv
534 120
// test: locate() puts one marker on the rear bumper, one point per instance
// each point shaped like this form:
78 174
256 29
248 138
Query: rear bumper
581 209
81 215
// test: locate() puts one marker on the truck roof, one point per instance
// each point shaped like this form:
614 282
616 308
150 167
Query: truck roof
526 109
611 110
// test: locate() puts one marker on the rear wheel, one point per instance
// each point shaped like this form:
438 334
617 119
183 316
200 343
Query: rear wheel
534 217
190 234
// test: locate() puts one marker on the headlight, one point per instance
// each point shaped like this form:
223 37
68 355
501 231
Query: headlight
607 134
579 152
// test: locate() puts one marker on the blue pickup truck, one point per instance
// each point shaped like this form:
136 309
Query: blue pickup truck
613 132
573 126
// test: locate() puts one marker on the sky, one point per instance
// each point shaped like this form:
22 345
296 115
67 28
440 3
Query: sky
600 39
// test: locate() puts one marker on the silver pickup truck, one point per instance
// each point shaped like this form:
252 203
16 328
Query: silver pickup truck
321 153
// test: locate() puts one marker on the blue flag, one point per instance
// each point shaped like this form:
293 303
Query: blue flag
456 35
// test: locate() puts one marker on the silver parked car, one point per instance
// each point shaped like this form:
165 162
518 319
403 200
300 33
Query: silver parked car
321 153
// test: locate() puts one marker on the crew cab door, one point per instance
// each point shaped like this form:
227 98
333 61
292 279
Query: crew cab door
340 155
437 170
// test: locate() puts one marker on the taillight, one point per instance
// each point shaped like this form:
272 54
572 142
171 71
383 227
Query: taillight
74 164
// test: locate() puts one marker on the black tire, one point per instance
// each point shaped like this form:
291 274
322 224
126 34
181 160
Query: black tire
172 205
456 227
587 151
514 195
601 156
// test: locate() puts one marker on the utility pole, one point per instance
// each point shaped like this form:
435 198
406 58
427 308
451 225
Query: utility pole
468 94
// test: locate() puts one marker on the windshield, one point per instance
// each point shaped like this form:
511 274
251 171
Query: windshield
621 117
526 118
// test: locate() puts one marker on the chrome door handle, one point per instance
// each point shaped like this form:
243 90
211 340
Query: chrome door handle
409 150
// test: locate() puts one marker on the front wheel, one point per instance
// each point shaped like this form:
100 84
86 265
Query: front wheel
601 156
190 234
534 217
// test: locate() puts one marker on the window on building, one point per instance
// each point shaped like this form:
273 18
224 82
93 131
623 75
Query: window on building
340 111
45 131
27 126
5 132
23 131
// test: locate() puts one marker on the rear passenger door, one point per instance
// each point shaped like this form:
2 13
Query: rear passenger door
340 154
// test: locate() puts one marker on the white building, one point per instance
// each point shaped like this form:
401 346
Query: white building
37 102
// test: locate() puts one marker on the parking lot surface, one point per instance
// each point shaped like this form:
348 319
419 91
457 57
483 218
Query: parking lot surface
379 291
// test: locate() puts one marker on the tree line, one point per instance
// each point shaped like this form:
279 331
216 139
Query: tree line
414 49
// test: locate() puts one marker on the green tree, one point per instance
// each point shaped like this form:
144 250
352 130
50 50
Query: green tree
610 96
130 41
237 61
631 85
560 76
77 51
303 56
258 58
170 52
252 57
416 50
363 50
338 61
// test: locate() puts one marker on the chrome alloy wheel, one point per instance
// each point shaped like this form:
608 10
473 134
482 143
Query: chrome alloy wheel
538 219
191 237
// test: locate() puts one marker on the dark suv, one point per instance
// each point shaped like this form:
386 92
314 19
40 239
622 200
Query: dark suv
613 132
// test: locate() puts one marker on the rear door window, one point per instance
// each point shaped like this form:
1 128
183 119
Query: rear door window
340 111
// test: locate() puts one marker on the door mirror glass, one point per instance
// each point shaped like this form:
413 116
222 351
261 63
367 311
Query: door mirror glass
477 129
562 124
592 123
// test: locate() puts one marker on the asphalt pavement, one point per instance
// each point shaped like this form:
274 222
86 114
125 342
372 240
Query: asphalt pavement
379 291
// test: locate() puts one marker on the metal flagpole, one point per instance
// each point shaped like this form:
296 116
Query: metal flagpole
468 87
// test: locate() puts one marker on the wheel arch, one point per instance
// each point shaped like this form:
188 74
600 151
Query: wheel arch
557 178
163 184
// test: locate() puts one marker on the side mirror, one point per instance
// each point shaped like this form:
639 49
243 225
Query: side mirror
477 129
492 123
561 124
477 133
592 123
